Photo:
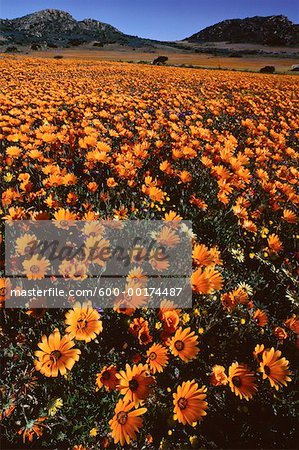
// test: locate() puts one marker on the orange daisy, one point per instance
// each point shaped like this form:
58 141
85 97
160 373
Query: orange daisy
189 403
184 344
36 267
157 358
274 368
260 317
274 243
135 383
126 422
241 381
56 354
107 377
83 322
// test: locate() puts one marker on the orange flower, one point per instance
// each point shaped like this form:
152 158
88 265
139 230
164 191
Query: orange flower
249 226
25 244
137 324
293 324
185 176
144 336
200 282
189 403
107 377
274 243
156 194
215 279
260 317
83 322
258 351
157 358
92 186
201 255
5 287
170 319
289 216
168 237
111 182
126 422
13 151
218 376
241 381
198 203
158 264
56 354
64 217
135 383
33 427
172 216
36 267
280 333
274 368
203 282
184 344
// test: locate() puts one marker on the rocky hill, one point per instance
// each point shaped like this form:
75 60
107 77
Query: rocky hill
55 28
59 28
271 30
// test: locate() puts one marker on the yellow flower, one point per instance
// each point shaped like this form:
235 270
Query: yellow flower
93 432
185 318
242 321
201 330
8 177
158 325
54 406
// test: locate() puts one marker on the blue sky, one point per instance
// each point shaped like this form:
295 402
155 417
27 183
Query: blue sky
156 19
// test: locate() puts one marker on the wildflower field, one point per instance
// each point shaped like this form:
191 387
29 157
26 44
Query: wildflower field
87 140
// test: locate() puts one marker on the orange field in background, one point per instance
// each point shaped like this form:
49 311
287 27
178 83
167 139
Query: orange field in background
88 140
251 63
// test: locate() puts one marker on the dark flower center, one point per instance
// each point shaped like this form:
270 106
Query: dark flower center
133 384
122 417
82 323
34 269
152 356
64 223
182 403
267 370
55 355
179 345
143 336
106 375
237 381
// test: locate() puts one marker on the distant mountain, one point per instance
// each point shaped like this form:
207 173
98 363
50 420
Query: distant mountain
271 30
55 28
59 28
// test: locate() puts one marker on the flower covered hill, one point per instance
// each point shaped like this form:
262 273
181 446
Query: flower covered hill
87 141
